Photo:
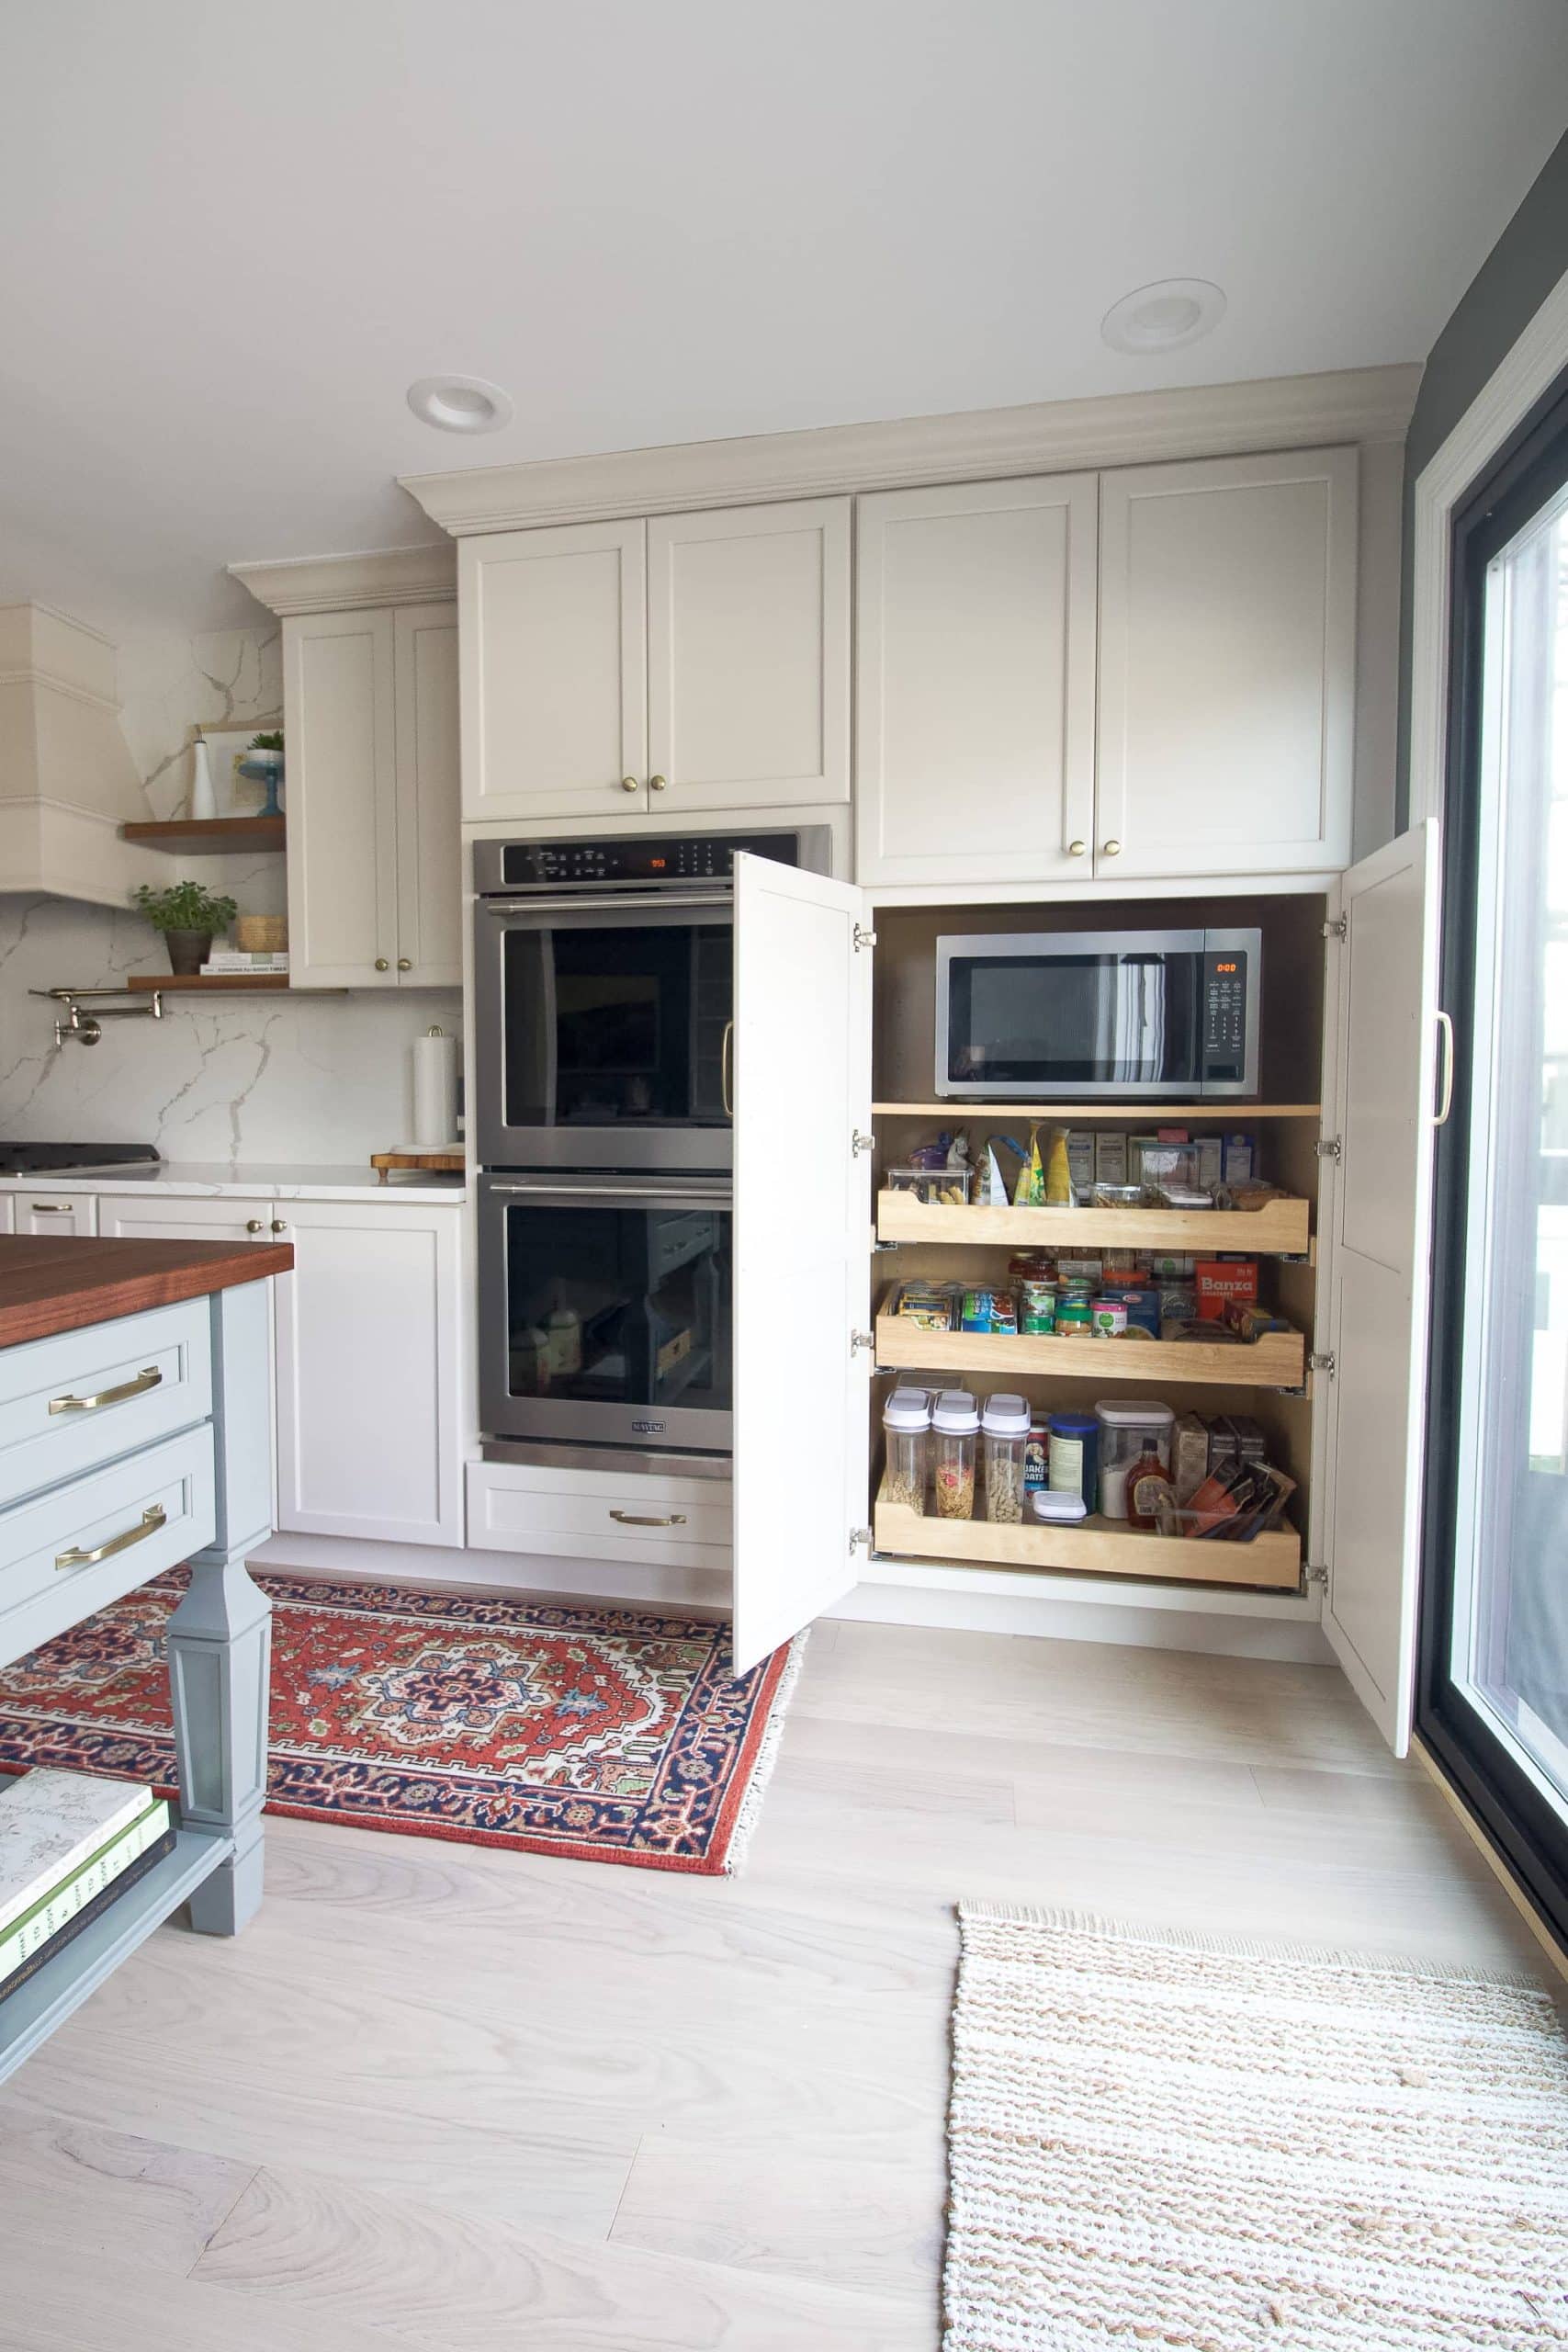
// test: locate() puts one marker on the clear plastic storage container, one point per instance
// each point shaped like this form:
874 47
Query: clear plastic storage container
1005 1423
906 1428
955 1426
1129 1427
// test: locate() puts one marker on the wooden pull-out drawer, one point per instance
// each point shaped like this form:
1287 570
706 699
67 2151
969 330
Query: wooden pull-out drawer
68 1404
600 1515
71 1551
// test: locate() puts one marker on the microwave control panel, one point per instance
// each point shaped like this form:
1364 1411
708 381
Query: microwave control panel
672 857
1224 1015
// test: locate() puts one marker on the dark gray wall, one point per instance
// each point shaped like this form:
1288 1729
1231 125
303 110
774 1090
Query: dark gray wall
1509 288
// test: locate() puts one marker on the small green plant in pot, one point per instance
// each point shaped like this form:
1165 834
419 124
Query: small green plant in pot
188 917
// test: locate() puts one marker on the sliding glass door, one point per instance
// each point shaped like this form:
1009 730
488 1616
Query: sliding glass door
1493 1695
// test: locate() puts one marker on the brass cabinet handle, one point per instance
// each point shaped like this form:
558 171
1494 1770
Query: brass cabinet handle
252 1224
725 1055
1112 849
149 1377
382 965
50 1208
1077 849
151 1519
656 783
405 963
630 784
641 1519
278 1225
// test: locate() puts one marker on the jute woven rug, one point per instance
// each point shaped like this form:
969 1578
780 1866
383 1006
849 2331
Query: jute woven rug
1166 2141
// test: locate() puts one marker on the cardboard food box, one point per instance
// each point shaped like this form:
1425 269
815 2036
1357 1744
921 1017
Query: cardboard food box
1219 1280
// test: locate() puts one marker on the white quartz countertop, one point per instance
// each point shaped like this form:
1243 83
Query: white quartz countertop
272 1180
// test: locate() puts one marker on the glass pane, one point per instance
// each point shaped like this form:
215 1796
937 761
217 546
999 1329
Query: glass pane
608 1026
1023 1020
619 1307
1511 1623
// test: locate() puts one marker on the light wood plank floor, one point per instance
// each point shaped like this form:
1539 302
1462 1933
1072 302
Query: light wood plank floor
461 2099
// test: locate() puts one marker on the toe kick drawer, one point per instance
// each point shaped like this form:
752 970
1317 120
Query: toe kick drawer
69 1552
85 1398
597 1515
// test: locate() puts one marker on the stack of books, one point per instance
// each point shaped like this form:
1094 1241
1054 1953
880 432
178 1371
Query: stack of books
70 1845
240 959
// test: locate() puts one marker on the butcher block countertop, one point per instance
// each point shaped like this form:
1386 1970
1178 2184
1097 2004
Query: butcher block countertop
48 1286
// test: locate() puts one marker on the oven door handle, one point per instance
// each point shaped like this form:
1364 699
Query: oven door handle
678 1196
719 902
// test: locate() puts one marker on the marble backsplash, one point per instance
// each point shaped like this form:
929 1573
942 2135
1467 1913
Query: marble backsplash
315 1080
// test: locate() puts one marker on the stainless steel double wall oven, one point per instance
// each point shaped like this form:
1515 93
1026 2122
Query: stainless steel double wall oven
604 991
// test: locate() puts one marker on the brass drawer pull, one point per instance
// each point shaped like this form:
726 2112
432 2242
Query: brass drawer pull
151 1519
150 1377
53 1208
641 1518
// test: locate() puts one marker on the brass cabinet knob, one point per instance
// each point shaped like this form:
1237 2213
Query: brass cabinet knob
1112 849
252 1224
656 783
630 784
1077 849
278 1225
382 965
405 963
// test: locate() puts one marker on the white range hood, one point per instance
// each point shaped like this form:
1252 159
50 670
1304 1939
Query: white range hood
67 779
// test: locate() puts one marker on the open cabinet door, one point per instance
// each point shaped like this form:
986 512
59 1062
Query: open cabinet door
802 1275
1379 1269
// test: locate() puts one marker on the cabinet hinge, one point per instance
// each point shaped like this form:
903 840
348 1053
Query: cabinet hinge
1329 1147
1316 1572
865 937
861 1340
862 1143
1324 1363
1338 929
859 1535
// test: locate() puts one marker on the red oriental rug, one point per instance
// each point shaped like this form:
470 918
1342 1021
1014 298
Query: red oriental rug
607 1735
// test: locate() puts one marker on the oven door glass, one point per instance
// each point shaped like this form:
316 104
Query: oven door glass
606 1315
1057 1022
609 1025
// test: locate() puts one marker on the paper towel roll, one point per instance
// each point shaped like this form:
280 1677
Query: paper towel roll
434 1090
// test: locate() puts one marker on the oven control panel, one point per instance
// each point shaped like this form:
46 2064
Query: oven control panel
672 857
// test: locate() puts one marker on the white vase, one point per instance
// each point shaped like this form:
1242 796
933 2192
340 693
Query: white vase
203 801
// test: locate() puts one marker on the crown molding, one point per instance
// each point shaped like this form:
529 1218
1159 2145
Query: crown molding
352 583
1054 436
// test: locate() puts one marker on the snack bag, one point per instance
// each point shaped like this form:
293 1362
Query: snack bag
1058 1180
1029 1189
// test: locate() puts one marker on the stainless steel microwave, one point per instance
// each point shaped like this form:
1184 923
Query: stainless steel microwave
1067 1014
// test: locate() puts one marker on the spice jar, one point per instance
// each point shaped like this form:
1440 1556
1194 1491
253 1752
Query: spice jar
1130 1429
1005 1422
906 1428
1074 1447
956 1424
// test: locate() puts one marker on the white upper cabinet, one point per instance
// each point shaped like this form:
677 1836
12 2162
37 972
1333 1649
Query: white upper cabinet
749 657
554 671
1227 656
975 663
370 712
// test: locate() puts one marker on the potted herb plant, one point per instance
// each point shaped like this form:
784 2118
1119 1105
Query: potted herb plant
188 916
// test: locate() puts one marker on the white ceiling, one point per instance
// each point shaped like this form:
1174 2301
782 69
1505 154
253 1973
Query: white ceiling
234 235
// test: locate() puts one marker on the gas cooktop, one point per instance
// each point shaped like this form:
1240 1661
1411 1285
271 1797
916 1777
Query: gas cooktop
83 1159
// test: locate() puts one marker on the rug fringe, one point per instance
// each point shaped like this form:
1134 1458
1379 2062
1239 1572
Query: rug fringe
767 1757
1262 1948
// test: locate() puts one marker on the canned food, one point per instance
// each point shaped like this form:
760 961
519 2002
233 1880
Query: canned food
1109 1318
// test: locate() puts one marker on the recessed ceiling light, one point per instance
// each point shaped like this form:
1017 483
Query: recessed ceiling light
460 403
1163 316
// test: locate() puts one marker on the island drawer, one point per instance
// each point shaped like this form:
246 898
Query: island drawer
70 1402
71 1551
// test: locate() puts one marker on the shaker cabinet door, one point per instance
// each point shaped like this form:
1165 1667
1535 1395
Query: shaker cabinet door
430 902
974 655
555 686
341 800
749 657
1228 661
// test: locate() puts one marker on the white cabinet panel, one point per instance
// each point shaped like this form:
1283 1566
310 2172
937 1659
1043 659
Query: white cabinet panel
749 657
430 902
56 1213
7 1214
150 1215
975 668
1227 624
368 1371
342 800
554 633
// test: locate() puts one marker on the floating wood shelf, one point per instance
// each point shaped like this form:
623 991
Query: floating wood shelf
1280 1229
1277 1360
1096 1547
1122 1113
203 983
208 836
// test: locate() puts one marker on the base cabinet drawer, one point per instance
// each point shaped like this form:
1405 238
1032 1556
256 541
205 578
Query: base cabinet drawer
72 1551
85 1398
598 1515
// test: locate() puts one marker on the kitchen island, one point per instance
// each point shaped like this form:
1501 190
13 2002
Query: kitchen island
135 1434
